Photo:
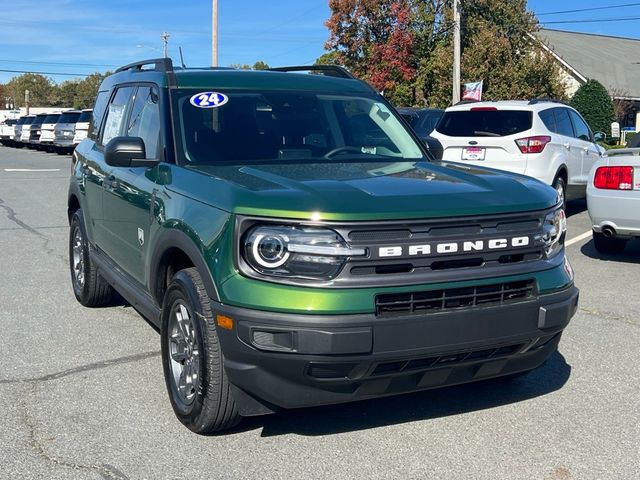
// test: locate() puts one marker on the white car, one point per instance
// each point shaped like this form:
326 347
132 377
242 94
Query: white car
47 131
82 126
543 139
6 131
613 199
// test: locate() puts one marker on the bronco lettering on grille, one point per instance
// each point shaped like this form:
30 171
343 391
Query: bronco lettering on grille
454 247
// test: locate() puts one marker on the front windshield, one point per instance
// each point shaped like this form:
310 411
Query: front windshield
278 126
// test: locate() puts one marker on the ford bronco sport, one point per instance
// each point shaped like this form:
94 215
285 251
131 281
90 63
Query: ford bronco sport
296 245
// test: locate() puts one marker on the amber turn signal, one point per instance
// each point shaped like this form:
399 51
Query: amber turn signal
224 322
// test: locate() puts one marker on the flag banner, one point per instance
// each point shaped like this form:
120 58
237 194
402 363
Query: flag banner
472 91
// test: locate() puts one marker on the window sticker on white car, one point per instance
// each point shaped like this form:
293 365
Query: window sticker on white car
473 153
209 99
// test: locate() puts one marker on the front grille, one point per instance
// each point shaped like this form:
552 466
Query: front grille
445 299
446 359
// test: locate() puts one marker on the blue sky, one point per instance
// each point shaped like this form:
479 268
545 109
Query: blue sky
83 36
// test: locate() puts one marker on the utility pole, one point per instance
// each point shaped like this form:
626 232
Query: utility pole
26 100
455 98
165 40
214 33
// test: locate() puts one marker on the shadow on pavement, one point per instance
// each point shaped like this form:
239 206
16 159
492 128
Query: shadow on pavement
631 253
425 405
575 207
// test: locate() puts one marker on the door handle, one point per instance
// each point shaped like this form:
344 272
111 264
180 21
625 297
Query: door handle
586 149
567 146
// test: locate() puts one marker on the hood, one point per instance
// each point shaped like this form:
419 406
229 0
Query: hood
363 191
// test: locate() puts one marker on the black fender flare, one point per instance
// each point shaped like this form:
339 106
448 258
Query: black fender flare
74 191
178 239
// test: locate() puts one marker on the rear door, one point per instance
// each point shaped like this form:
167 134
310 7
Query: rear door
572 146
588 149
485 136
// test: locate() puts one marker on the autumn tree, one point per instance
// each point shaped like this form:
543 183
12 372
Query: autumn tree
374 38
405 48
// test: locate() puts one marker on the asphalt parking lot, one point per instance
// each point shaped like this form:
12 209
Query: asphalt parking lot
82 392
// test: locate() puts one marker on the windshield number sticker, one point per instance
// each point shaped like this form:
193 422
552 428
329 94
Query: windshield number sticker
209 100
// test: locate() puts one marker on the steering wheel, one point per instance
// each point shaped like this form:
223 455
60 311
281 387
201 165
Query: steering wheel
336 151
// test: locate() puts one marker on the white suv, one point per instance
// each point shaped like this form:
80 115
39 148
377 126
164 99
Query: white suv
543 139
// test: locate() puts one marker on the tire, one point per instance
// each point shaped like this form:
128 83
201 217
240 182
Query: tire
90 289
561 187
197 384
608 244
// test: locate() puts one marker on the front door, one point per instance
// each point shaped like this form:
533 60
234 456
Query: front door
128 197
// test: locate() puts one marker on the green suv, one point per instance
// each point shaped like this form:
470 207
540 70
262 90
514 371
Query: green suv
296 245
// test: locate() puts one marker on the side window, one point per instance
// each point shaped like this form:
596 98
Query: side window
144 121
98 114
582 130
563 122
116 114
549 120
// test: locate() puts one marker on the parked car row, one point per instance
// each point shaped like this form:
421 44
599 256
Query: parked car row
52 132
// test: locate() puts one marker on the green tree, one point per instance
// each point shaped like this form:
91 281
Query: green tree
87 89
63 94
40 90
260 65
594 103
329 58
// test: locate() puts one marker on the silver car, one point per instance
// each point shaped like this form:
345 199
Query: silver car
22 130
613 199
65 131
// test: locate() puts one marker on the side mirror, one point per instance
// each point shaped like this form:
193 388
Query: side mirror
127 152
599 137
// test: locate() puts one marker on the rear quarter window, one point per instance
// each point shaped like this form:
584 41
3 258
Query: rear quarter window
549 120
484 123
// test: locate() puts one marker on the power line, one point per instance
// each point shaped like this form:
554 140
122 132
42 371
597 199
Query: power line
64 64
622 5
48 73
594 20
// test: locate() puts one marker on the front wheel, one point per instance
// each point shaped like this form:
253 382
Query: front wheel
192 360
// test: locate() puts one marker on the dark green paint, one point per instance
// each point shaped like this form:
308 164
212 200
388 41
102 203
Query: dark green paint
202 202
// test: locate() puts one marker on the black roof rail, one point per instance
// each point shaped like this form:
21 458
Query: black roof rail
159 65
533 101
328 70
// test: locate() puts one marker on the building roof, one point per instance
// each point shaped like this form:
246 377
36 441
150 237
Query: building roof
613 61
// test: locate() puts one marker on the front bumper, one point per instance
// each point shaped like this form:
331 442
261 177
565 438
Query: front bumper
280 360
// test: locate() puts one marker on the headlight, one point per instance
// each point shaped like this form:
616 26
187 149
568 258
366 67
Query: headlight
554 231
297 252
